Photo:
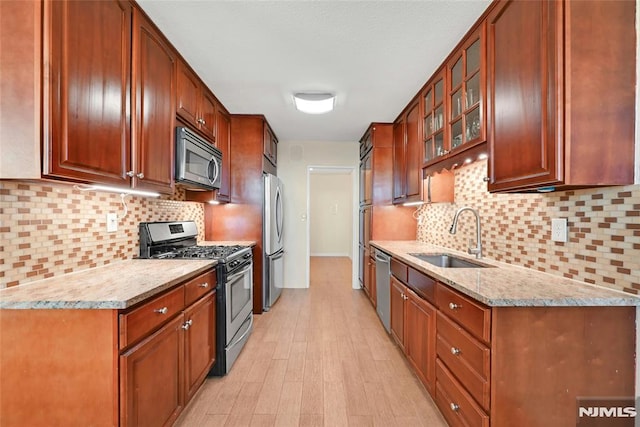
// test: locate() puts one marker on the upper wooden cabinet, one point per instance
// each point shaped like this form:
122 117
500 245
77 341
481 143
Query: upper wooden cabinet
407 156
560 94
153 121
466 87
108 105
454 105
223 142
86 91
195 103
270 145
434 114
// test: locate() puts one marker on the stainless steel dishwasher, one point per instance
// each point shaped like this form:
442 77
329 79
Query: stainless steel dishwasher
383 271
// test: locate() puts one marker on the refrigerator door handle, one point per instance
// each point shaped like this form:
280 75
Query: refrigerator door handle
277 255
279 214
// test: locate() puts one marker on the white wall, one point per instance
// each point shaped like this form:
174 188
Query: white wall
293 160
330 213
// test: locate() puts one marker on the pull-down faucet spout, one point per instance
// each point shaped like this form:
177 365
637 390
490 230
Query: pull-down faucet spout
477 251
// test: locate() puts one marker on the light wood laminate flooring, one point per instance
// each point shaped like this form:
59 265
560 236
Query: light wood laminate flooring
319 357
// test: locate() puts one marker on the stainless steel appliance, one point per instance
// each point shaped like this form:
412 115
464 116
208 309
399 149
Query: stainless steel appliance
383 288
198 163
234 292
273 238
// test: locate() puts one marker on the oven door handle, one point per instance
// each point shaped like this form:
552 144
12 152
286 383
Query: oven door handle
240 273
244 334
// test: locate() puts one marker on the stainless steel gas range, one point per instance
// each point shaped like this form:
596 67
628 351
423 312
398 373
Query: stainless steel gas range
234 294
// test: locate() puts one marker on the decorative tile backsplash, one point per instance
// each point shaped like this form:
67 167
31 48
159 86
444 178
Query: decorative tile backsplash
49 228
604 229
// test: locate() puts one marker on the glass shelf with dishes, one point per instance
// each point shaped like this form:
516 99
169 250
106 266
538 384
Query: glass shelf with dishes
434 118
465 95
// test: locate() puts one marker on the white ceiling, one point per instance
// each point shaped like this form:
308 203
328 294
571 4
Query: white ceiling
374 55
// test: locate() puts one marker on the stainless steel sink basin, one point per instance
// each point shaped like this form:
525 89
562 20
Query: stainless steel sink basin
449 261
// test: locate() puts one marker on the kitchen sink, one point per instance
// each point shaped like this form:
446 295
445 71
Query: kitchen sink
449 261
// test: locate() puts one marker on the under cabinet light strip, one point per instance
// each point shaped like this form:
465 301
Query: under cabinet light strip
117 190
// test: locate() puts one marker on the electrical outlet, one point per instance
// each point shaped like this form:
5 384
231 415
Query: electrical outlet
112 222
559 230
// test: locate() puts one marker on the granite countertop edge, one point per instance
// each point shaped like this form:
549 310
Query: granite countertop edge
563 292
18 297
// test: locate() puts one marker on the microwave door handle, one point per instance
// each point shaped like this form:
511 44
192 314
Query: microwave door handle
216 168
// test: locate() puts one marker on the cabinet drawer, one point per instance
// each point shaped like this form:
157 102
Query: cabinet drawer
457 406
144 319
199 286
466 357
399 270
471 315
424 285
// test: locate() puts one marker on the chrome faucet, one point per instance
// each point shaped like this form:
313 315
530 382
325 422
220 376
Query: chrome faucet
477 251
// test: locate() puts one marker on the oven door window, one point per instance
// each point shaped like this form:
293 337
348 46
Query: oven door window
239 296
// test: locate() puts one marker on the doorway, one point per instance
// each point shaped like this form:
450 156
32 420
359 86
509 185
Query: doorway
332 222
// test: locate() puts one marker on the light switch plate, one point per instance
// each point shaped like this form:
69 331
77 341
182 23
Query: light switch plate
112 222
559 230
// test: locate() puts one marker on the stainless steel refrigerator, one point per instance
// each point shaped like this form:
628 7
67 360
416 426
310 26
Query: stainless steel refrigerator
273 241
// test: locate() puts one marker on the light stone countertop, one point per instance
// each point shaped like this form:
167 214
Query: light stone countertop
506 285
113 286
250 243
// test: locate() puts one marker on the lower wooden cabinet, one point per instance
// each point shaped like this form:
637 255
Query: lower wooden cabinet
107 367
200 343
151 378
160 374
499 365
369 275
413 326
396 300
420 338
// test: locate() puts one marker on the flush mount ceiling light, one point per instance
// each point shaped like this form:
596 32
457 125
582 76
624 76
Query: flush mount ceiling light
314 103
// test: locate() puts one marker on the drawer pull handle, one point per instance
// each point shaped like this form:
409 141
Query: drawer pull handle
162 310
454 306
455 351
454 407
187 324
204 285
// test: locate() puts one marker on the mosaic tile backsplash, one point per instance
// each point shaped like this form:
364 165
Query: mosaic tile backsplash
49 228
603 245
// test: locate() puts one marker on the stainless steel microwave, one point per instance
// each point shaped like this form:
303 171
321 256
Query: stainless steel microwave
198 163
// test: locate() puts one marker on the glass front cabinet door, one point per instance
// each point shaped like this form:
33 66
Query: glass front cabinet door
465 93
434 119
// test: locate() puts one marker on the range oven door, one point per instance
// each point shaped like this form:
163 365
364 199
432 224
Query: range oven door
239 299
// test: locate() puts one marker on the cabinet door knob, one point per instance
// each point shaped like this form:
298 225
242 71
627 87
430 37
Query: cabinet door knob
454 407
486 179
204 285
162 310
140 175
455 351
187 324
454 306
130 174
